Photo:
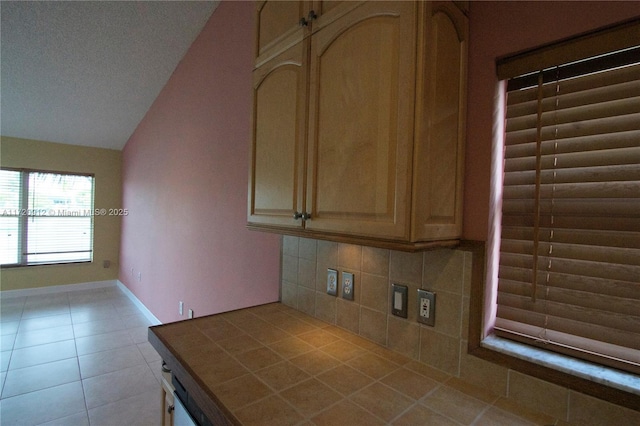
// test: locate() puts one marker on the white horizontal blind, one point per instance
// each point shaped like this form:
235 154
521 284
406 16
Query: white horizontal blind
55 219
569 274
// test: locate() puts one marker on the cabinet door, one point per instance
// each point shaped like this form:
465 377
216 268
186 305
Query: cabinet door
440 125
279 128
362 76
278 26
327 11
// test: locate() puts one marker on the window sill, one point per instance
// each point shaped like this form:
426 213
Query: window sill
610 377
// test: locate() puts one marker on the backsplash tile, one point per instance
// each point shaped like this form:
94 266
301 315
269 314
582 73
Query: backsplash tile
373 291
439 352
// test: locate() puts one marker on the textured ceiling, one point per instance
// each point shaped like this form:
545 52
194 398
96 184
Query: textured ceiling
86 72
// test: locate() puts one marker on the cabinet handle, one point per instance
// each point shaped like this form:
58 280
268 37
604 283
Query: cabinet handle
312 16
170 408
306 216
297 215
302 22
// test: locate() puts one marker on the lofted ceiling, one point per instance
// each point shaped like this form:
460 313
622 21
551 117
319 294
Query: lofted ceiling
86 72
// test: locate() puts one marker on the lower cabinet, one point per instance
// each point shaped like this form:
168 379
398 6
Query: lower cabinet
168 404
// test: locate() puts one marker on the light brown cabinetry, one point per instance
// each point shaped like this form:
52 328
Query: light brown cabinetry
167 399
359 126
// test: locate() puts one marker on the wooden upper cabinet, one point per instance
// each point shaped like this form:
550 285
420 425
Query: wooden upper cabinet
440 124
278 26
281 24
359 124
278 148
362 76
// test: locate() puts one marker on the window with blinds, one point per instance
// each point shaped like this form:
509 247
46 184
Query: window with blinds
45 217
569 269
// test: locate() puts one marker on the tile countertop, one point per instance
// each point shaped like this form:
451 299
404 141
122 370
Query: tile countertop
273 365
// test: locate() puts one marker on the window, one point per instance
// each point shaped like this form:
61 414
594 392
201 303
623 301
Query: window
46 217
568 277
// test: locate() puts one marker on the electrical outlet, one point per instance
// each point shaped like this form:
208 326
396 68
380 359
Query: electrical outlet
181 307
190 313
332 282
347 285
426 307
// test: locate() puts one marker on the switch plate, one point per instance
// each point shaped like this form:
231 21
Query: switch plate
181 308
426 307
332 282
399 300
347 285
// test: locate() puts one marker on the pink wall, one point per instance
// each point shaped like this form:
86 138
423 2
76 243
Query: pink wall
185 172
185 167
502 28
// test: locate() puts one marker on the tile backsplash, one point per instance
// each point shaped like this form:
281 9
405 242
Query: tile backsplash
447 272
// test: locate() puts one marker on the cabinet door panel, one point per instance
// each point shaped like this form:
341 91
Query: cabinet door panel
361 120
327 11
440 144
277 26
277 162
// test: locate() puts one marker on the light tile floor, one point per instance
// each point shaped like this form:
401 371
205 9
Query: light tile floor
77 358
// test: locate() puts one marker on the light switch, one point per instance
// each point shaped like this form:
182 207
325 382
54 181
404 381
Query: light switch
399 300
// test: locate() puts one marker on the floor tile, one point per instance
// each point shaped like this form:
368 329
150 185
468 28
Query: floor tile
108 361
7 341
7 302
42 406
454 404
39 323
10 315
5 357
44 300
103 342
149 353
139 334
44 336
93 313
127 309
97 327
156 367
40 377
9 327
144 409
496 417
49 340
47 305
133 321
79 419
41 354
111 387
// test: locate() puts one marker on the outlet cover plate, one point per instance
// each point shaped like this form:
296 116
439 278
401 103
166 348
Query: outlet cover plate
399 295
426 307
347 285
332 282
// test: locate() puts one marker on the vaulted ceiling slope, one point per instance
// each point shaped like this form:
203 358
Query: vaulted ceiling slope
86 72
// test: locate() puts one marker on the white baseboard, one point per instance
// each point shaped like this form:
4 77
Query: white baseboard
56 289
147 313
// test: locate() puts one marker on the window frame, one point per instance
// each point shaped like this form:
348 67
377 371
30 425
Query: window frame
486 255
23 234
